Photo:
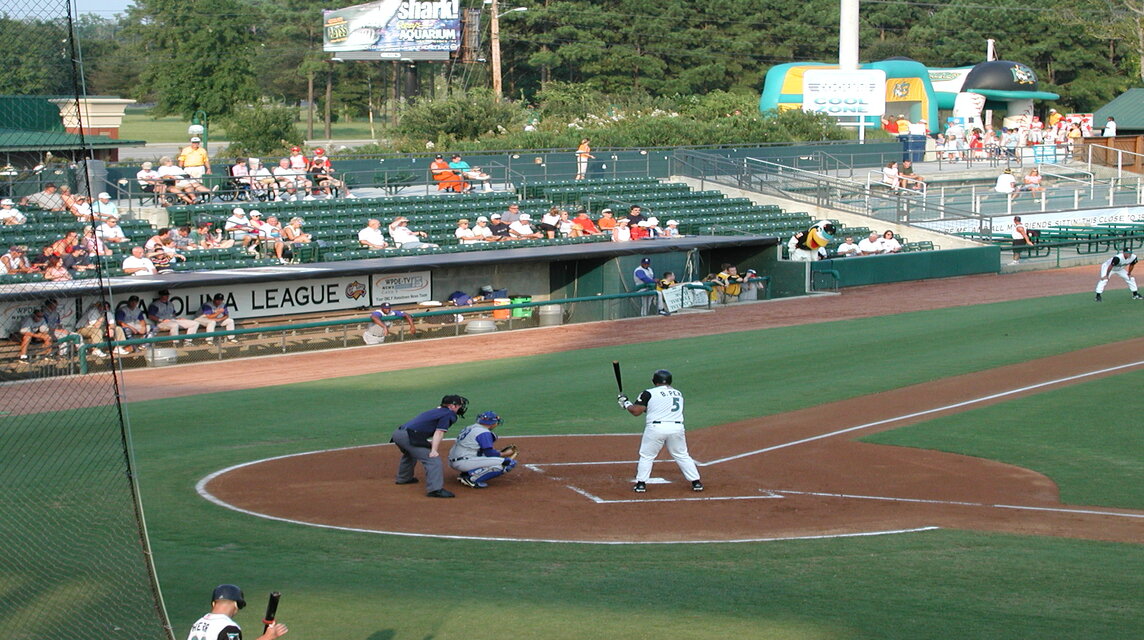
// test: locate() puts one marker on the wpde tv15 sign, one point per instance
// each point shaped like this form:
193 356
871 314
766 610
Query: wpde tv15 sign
844 93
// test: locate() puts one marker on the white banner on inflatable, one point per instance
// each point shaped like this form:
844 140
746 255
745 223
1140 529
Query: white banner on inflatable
844 93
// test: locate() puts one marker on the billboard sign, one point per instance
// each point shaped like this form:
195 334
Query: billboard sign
394 29
844 94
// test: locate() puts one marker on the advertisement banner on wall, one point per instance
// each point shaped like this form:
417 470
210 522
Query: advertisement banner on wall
844 93
396 288
413 29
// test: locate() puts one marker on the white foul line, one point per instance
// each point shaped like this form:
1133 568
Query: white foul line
916 414
959 503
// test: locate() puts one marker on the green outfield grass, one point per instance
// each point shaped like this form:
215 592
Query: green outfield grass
353 586
138 125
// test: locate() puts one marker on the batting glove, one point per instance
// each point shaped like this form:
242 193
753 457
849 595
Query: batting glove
622 400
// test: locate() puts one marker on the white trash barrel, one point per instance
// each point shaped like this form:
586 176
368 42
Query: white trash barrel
162 357
480 326
551 315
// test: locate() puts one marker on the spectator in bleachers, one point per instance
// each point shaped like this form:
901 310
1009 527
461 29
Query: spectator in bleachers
103 208
78 260
175 180
9 214
290 193
848 249
49 199
262 180
1006 184
872 245
653 229
111 232
446 177
66 244
635 216
16 260
464 233
522 228
584 221
240 173
381 318
270 233
194 160
565 227
621 232
672 230
162 315
583 155
81 209
371 237
322 171
40 260
203 237
240 228
890 175
138 264
151 182
182 238
549 222
499 228
607 221
512 214
890 244
472 173
406 238
132 318
164 256
298 160
287 175
93 243
908 179
639 230
215 313
34 327
67 195
294 234
1032 181
98 325
481 231
1021 238
162 234
55 271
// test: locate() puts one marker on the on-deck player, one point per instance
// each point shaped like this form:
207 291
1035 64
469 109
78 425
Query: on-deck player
1120 264
662 406
226 600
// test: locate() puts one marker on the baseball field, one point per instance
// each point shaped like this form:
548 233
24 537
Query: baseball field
960 458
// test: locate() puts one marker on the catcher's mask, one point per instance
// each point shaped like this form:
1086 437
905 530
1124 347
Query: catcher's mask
489 419
461 401
229 592
663 376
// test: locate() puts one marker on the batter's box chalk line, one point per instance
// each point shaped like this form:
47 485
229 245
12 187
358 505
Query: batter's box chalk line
763 494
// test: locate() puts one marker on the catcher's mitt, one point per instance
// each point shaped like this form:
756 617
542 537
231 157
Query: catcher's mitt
510 452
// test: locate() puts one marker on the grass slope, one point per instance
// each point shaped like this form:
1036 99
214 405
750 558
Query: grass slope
347 586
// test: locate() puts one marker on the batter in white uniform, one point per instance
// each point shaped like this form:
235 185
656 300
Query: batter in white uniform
1121 265
226 600
662 406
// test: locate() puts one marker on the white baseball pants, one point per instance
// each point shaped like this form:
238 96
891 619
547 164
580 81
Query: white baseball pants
1123 276
655 437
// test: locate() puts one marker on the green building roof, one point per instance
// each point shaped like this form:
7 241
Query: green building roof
12 140
1127 108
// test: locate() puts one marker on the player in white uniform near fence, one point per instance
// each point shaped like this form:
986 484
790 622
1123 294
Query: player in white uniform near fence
226 600
662 406
1121 265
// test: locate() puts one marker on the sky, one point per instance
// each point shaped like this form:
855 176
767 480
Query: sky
106 8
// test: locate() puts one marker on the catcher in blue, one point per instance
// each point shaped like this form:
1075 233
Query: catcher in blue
662 406
226 600
476 457
1120 264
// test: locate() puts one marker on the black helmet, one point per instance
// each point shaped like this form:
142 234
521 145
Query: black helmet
229 592
461 401
662 376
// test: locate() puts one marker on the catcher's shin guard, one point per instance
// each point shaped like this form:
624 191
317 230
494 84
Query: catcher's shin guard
486 474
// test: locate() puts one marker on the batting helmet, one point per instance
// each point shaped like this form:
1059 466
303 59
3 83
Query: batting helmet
229 592
461 401
489 419
662 376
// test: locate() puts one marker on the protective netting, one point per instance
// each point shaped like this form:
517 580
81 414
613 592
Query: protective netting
75 560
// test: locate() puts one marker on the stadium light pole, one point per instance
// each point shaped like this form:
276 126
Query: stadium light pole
494 37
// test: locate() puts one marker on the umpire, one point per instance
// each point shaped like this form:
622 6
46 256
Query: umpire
419 440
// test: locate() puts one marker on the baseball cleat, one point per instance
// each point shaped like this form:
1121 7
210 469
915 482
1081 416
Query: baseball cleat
468 482
641 487
1136 296
441 493
696 485
409 481
1098 298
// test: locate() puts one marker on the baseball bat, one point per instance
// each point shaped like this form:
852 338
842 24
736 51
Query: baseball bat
616 370
271 610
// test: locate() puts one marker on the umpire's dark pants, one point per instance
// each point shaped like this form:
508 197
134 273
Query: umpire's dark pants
410 455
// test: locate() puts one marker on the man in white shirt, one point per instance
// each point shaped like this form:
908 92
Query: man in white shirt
1006 183
871 246
1110 128
482 232
371 237
137 264
848 249
521 229
110 231
149 180
9 214
104 208
241 228
287 175
406 238
261 177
